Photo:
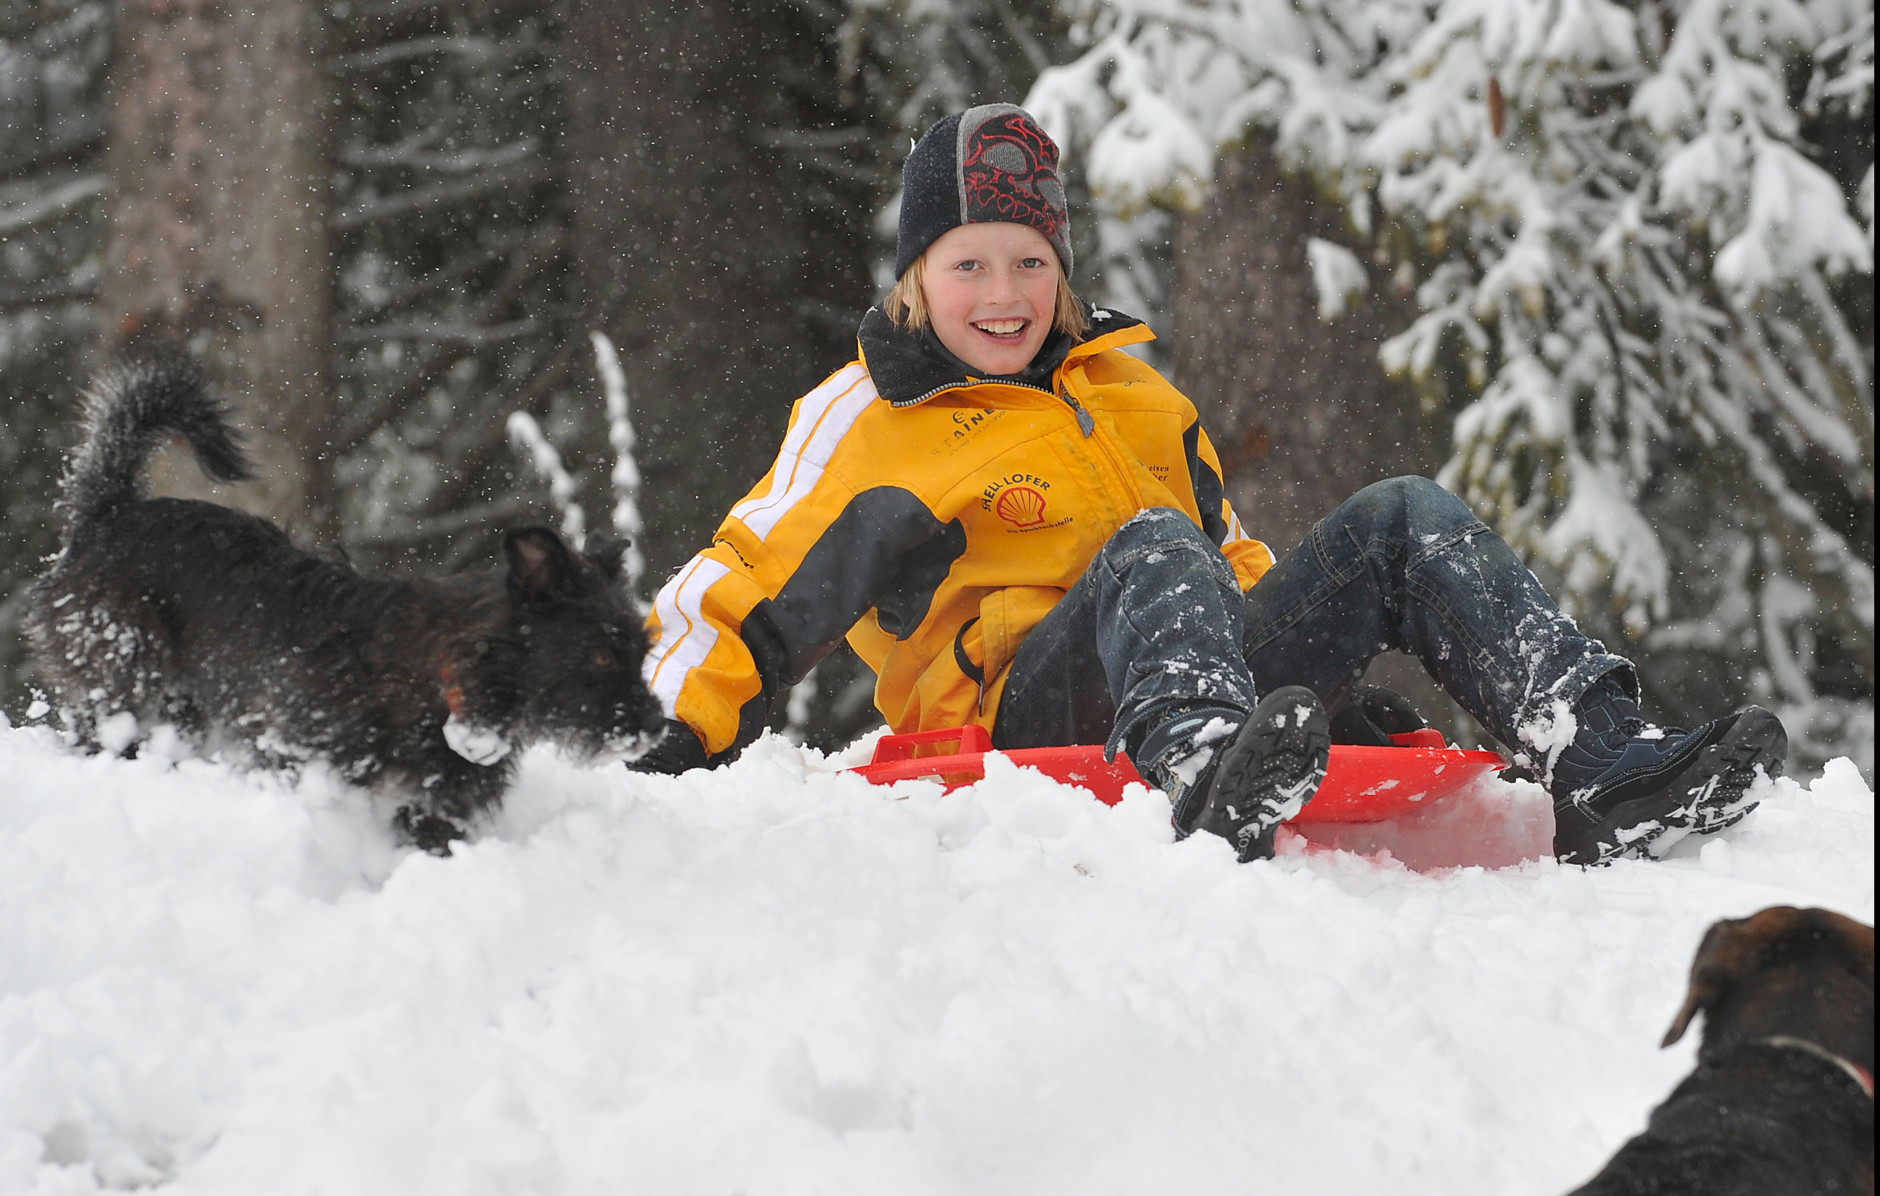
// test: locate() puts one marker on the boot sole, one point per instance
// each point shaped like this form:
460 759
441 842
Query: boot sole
1273 768
1709 794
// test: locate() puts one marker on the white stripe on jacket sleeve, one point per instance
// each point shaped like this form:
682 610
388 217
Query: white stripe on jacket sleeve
686 637
826 415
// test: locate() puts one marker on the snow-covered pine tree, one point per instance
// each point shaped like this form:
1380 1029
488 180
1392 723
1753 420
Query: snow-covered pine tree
1640 240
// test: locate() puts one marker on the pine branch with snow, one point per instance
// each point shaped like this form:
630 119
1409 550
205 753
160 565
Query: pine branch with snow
1620 236
625 476
528 438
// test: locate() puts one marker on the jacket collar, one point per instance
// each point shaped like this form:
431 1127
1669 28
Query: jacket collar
912 367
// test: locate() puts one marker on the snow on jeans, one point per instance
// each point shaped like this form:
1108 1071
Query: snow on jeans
1158 619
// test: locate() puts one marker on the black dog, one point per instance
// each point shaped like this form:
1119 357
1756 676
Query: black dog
189 613
1781 1103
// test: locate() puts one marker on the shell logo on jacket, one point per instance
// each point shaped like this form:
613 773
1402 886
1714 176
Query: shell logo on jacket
1021 506
933 517
1019 499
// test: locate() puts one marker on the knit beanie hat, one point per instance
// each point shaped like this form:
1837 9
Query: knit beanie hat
990 164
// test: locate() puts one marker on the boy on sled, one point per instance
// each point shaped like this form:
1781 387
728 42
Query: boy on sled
1019 525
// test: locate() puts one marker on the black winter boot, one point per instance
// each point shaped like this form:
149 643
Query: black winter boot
1623 786
1180 753
1266 775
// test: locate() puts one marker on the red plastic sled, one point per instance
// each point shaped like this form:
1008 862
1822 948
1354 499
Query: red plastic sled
1362 784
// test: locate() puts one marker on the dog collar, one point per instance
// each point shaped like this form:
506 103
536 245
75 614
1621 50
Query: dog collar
1855 1071
453 689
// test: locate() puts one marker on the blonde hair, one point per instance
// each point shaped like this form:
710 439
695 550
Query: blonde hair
906 304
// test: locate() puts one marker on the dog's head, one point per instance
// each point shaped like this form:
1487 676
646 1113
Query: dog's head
1797 973
576 676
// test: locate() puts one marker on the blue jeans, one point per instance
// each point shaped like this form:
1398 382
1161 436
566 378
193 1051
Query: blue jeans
1158 620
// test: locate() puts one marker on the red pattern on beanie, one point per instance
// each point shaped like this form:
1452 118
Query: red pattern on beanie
1009 176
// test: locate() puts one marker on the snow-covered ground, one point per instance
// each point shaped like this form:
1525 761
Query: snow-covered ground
774 980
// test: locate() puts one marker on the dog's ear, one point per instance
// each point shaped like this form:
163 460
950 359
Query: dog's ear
541 569
605 553
1712 972
1733 949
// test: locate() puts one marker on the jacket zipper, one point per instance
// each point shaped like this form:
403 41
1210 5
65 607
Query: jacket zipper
1084 419
1089 426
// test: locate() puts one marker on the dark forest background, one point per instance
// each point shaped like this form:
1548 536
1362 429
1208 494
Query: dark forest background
386 225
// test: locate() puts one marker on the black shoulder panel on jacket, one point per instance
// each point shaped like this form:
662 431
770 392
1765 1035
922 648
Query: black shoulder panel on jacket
1208 488
886 551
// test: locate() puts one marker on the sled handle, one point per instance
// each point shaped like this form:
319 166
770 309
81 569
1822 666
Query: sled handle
971 738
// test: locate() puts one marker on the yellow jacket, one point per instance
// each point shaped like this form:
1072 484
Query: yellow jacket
934 518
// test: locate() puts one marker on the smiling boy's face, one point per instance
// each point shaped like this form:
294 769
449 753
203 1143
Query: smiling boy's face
991 292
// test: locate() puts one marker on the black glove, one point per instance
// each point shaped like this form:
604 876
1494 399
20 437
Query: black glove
680 751
1372 715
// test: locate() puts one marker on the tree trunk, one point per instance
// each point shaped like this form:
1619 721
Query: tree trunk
219 169
1303 412
730 268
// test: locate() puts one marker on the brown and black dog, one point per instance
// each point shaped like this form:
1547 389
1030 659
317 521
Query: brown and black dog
1781 1103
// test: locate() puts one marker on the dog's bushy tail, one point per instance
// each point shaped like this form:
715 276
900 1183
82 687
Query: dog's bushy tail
127 412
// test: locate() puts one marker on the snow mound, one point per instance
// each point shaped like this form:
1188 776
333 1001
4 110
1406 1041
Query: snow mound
777 979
